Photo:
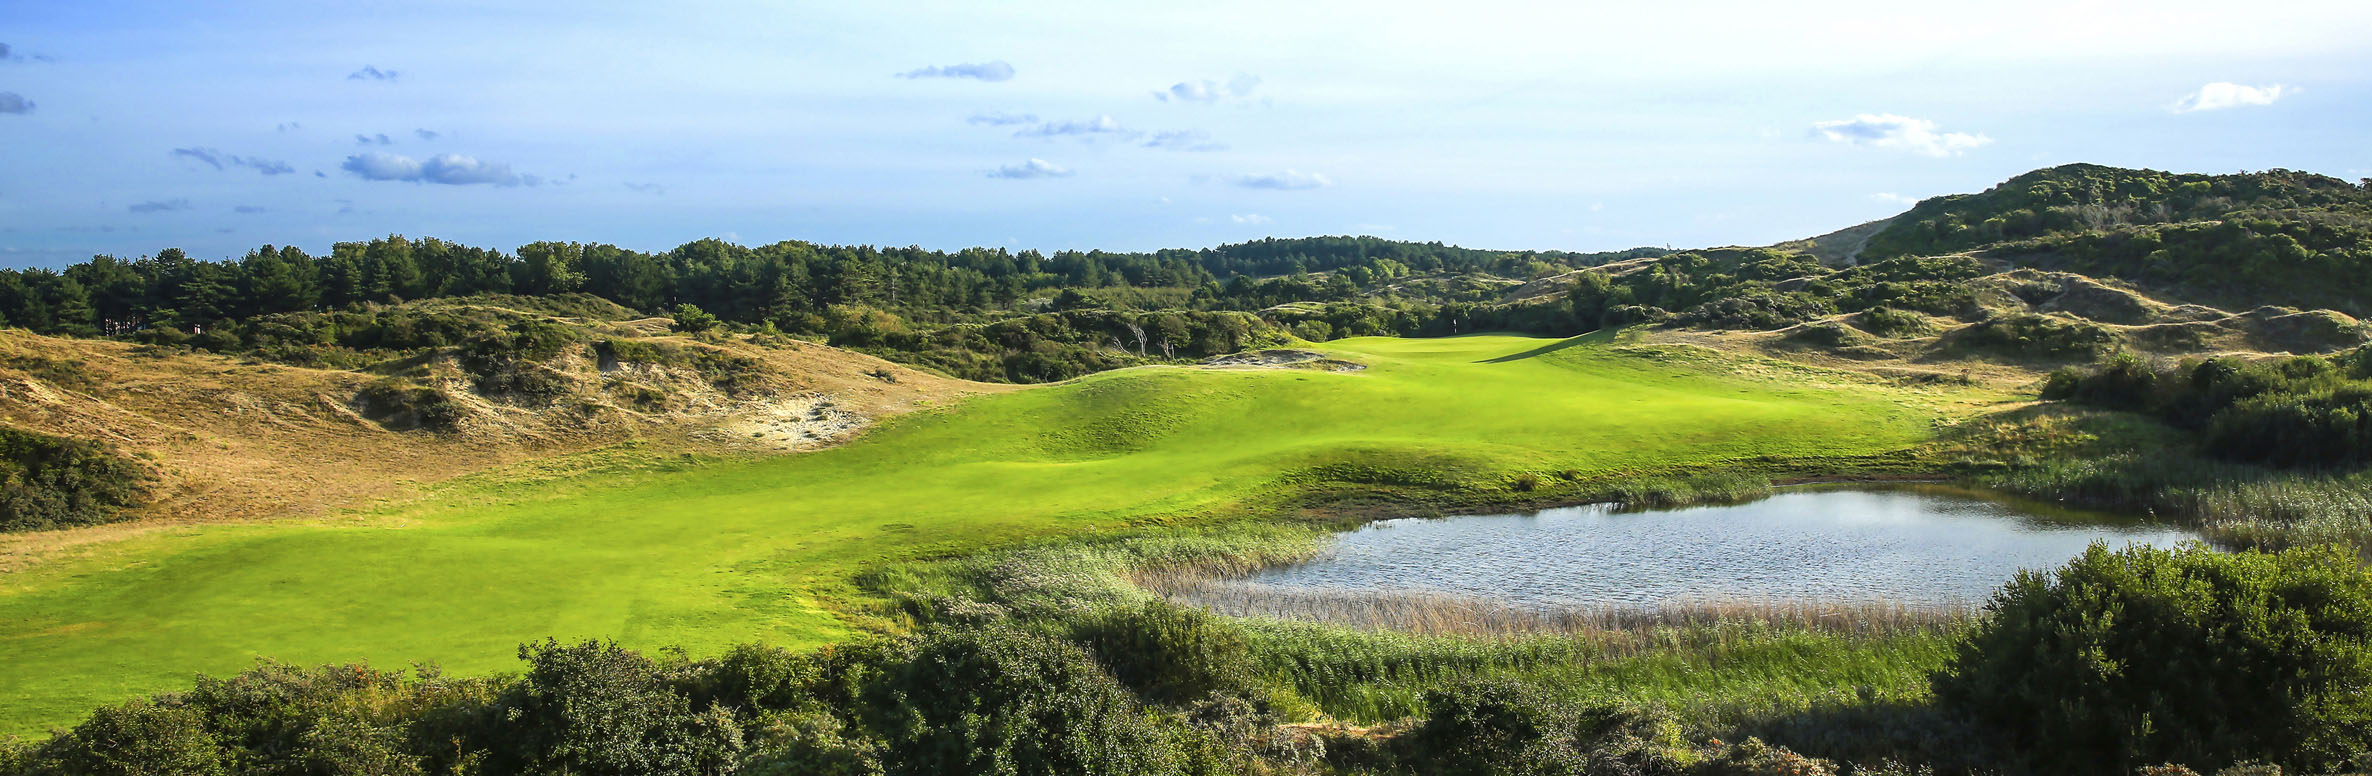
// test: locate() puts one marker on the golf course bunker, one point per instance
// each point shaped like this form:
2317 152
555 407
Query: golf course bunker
1917 547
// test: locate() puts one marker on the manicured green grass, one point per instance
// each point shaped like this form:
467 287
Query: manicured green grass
709 553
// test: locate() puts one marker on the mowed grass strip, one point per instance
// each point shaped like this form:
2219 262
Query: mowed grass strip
713 554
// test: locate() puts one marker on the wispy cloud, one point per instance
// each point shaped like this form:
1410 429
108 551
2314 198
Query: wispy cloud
2221 95
645 188
249 209
1250 218
287 126
1034 168
11 102
1899 133
1898 199
374 139
427 134
159 206
450 169
1184 140
979 71
219 160
1287 180
1000 119
1207 90
1100 126
371 73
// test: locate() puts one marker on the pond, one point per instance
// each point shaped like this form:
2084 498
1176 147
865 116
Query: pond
1917 546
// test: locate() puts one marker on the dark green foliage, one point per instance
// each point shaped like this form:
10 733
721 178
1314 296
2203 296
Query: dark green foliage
138 738
1170 654
1503 726
2300 411
54 482
400 404
2275 237
1889 322
2320 428
810 744
595 709
2138 656
1002 701
690 318
2029 336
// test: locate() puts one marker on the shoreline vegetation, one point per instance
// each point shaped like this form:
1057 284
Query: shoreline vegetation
1020 581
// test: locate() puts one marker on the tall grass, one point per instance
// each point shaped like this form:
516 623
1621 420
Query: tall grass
1442 614
2233 504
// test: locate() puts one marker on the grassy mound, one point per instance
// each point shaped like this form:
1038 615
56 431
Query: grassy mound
707 555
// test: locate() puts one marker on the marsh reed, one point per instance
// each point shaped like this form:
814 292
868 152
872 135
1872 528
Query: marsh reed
1441 614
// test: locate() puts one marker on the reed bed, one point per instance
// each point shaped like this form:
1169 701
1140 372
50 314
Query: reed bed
1440 614
2232 504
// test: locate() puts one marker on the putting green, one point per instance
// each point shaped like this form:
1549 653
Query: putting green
709 554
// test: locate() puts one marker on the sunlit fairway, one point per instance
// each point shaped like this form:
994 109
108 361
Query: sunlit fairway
705 554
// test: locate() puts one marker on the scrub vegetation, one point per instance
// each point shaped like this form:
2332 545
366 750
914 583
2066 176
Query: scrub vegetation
602 563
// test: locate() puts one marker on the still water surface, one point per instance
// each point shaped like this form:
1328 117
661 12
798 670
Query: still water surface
1919 545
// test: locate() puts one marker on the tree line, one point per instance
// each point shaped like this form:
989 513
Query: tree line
778 283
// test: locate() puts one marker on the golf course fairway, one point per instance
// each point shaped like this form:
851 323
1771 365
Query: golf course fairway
704 554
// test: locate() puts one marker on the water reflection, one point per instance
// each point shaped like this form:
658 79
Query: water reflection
1911 545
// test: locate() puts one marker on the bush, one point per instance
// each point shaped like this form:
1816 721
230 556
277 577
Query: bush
998 700
140 738
1169 653
594 709
2137 656
55 482
690 318
1502 726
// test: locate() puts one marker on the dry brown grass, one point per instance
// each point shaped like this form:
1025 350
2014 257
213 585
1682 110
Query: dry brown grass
235 439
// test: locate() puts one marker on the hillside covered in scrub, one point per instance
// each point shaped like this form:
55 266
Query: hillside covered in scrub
808 509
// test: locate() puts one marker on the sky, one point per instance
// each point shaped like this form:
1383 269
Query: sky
129 127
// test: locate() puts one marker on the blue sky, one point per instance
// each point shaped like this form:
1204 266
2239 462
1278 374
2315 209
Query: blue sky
127 127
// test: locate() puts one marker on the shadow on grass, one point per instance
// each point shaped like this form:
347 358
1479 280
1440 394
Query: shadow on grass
1600 335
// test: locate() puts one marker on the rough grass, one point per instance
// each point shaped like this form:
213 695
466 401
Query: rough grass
706 554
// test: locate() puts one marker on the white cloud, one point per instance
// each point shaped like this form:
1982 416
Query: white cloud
218 160
1184 140
979 71
1287 180
450 169
2221 95
159 206
1899 133
1250 218
1207 90
1899 199
998 118
1100 125
1034 168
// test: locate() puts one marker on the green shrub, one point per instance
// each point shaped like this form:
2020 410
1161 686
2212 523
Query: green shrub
1004 701
690 318
139 738
1504 726
55 482
810 744
2037 336
1890 322
595 709
1169 653
2136 656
